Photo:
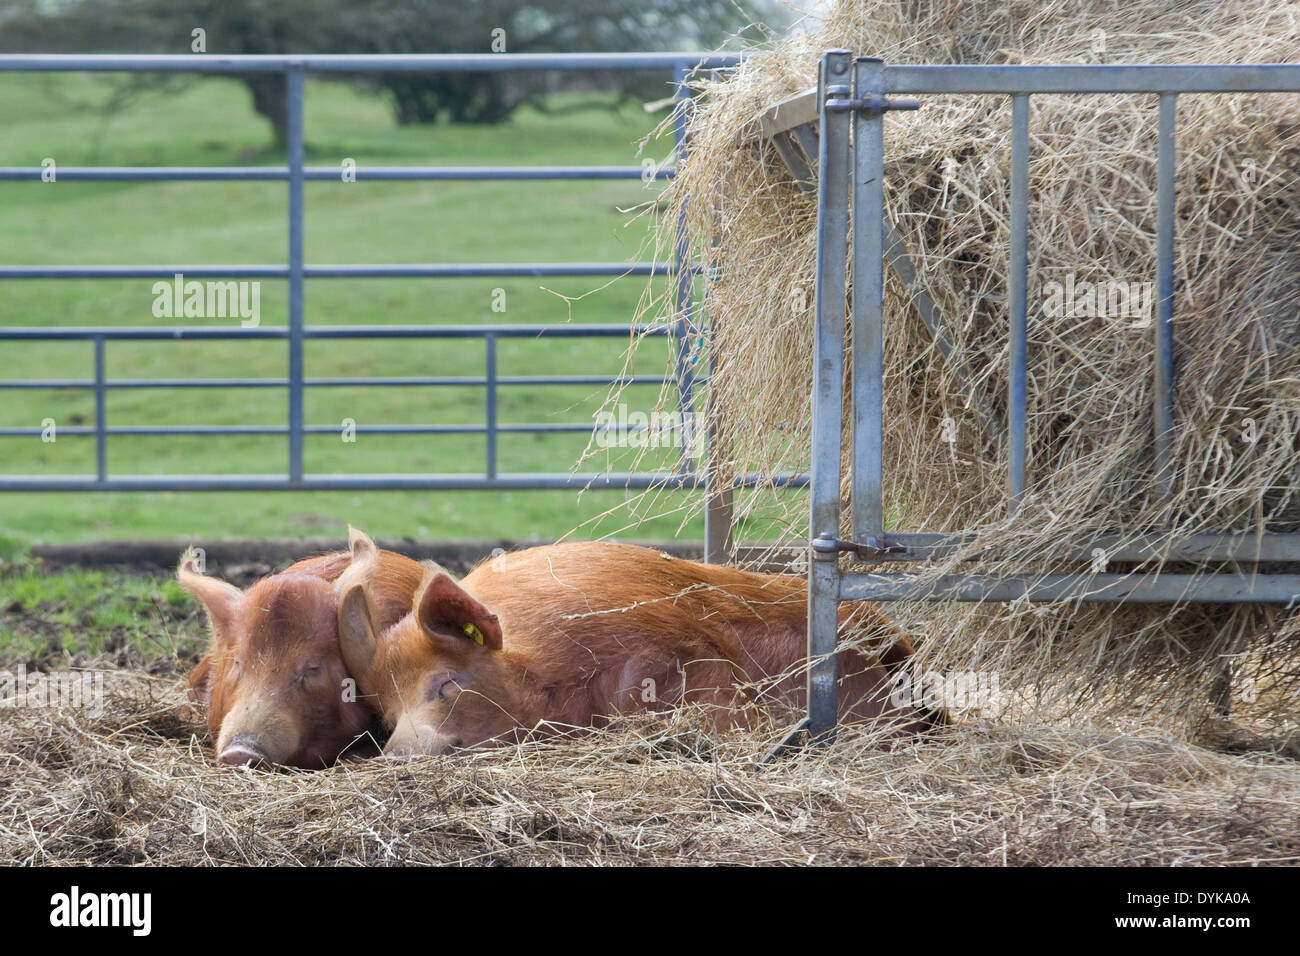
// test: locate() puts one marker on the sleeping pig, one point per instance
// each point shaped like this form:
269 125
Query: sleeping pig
273 681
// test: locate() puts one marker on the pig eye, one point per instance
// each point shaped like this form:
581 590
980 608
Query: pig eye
309 672
444 688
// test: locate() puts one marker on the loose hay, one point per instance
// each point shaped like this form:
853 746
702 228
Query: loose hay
1092 213
135 786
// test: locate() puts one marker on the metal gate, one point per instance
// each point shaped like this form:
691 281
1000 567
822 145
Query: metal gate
296 272
850 104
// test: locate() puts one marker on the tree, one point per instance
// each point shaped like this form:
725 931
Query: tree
382 26
437 26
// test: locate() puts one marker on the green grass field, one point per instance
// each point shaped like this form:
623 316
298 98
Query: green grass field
141 621
210 122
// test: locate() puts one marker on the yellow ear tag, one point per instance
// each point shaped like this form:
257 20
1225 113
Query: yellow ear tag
472 631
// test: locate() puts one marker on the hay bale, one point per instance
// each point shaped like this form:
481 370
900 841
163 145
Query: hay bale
1092 217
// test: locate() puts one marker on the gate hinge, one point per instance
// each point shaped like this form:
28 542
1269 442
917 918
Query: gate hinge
871 104
825 546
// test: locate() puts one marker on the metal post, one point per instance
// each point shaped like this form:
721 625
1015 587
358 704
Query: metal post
717 500
293 79
490 343
828 385
719 545
101 414
868 305
1018 291
683 271
1163 407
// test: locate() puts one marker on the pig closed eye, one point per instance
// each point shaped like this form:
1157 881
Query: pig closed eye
444 689
310 672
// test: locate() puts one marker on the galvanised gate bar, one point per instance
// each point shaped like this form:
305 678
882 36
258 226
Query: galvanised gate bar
296 272
850 104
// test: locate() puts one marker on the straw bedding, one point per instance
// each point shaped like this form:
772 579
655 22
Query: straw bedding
138 784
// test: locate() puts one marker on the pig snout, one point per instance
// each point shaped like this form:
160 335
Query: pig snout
259 732
412 739
244 751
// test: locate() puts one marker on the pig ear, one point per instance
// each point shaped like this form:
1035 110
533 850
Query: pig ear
362 546
222 601
446 610
356 635
356 630
365 558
